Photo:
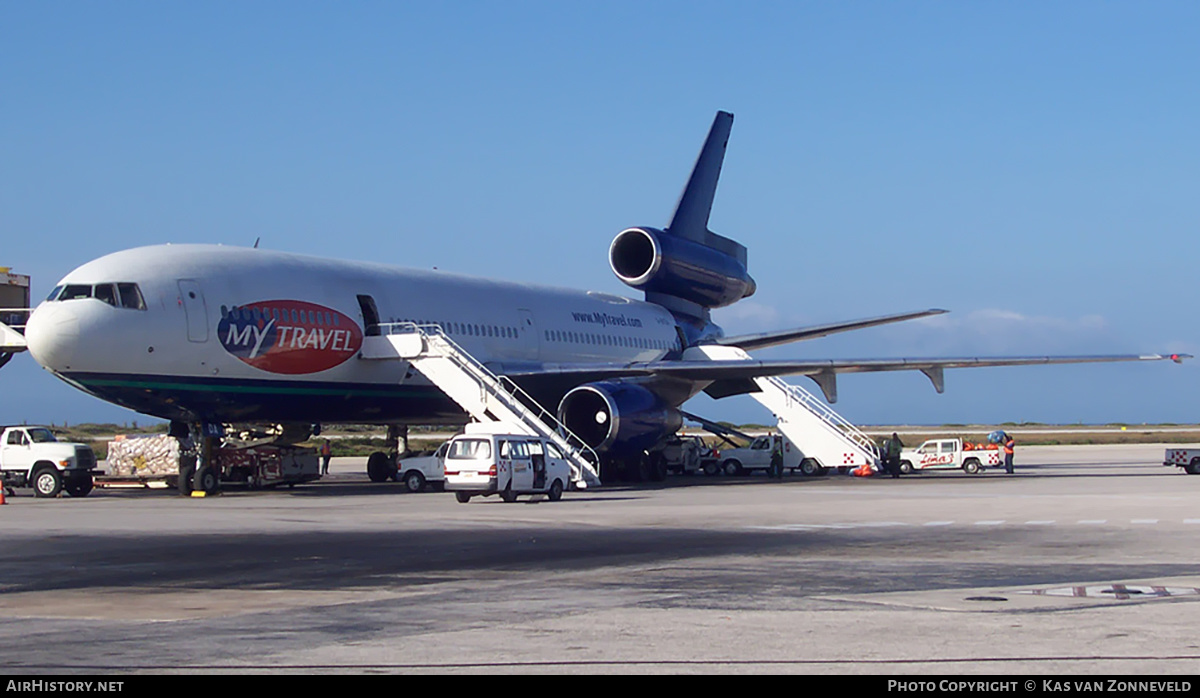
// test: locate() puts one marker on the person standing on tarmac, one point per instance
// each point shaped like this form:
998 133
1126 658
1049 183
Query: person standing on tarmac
326 453
1009 444
894 445
776 470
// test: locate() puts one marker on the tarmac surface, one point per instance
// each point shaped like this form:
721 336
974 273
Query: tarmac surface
1084 561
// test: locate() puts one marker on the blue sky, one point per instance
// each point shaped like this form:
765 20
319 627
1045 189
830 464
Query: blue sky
1030 166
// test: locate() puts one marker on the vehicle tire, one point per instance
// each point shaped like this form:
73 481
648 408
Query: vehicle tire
712 468
971 465
80 486
414 481
731 467
47 482
508 496
810 467
906 467
556 490
206 480
462 497
380 468
187 469
1192 468
658 468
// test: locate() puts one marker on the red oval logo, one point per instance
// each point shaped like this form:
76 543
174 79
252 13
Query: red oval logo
288 336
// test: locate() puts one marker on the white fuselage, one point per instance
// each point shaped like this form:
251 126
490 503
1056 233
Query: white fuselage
230 334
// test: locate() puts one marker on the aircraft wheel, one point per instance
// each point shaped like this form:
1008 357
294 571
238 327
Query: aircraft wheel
47 482
556 490
205 480
462 497
187 469
414 481
80 487
379 467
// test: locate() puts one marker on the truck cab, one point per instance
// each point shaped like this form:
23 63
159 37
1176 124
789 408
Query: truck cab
484 461
30 456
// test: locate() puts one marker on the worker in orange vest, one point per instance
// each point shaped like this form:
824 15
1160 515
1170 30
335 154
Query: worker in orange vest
1009 444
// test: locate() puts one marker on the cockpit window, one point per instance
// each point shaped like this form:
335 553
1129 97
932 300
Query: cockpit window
131 297
73 291
106 293
119 295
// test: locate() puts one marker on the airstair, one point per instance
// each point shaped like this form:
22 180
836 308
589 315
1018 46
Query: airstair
12 332
814 428
484 395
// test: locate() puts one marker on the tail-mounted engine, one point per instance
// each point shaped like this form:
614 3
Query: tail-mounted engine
661 263
687 268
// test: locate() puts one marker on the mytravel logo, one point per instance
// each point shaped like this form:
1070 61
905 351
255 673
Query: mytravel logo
288 336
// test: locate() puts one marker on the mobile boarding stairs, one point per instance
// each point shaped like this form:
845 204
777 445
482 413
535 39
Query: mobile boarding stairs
484 395
816 430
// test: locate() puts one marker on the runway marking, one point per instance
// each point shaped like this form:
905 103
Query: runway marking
944 523
1115 591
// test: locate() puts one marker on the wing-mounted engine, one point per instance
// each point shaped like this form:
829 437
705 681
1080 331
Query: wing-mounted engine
618 418
687 268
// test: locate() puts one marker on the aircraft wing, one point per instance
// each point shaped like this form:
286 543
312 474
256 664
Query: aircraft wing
762 340
734 376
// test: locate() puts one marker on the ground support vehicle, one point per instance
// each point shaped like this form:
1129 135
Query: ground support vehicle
419 472
150 461
685 454
32 457
948 454
757 456
490 459
1186 458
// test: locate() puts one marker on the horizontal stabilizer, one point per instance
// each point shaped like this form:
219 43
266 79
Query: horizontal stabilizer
762 340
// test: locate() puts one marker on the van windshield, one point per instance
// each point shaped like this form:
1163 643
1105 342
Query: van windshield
470 449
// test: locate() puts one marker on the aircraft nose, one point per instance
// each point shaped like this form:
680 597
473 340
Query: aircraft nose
52 334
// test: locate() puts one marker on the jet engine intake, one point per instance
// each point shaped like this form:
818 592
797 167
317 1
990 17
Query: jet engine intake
618 417
656 261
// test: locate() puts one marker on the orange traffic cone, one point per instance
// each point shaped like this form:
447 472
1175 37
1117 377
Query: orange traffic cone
2 499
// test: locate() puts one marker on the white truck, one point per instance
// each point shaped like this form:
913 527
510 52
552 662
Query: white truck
757 456
1186 458
32 457
685 454
158 460
418 472
489 459
947 454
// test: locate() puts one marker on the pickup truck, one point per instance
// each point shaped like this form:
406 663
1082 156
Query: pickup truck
757 456
947 454
32 457
1186 458
419 471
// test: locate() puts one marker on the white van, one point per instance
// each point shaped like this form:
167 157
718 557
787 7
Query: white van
482 462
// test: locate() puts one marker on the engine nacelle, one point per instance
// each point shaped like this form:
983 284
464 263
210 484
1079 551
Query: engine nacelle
618 417
655 261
